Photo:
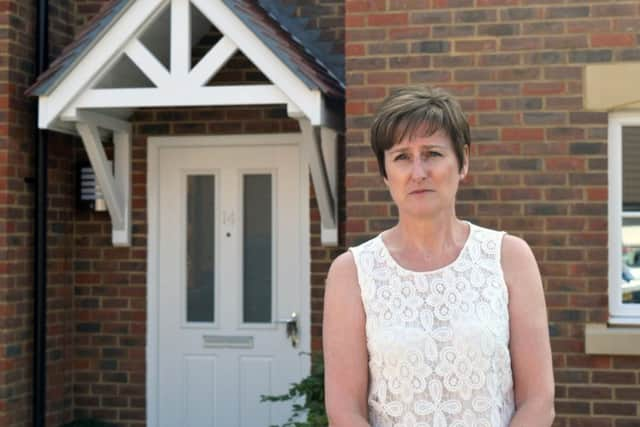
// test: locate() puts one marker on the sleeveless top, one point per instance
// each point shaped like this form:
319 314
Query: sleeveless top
438 341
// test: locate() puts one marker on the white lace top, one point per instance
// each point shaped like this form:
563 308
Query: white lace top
438 341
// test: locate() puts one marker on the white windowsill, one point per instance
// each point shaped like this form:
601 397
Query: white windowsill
601 338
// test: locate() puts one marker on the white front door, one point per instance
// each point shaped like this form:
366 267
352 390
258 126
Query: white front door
228 270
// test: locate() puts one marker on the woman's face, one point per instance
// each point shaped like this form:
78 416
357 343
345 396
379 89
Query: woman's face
423 174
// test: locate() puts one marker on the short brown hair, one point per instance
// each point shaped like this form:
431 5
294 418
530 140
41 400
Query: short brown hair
418 109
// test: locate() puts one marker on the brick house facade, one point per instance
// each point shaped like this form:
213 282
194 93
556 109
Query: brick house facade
538 170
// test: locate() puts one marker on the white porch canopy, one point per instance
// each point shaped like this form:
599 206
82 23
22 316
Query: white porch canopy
154 37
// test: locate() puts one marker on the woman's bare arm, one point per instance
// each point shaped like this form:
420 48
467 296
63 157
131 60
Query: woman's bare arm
529 343
345 348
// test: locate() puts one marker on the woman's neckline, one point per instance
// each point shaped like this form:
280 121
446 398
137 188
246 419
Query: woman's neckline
387 254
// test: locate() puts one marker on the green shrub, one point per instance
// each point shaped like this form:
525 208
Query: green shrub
311 389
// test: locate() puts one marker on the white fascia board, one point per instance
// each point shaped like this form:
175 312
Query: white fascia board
44 107
267 62
175 96
105 50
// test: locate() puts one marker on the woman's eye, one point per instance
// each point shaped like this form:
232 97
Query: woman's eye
401 157
434 154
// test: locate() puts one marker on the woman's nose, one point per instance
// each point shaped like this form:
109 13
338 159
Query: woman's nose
418 169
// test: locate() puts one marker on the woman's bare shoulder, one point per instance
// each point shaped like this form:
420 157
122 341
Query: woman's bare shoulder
343 271
515 250
519 263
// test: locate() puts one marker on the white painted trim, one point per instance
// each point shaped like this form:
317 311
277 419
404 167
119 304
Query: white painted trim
226 140
98 158
97 59
154 145
101 120
231 26
116 188
180 38
619 313
153 218
74 91
305 260
212 62
177 96
329 146
312 152
329 149
147 63
122 175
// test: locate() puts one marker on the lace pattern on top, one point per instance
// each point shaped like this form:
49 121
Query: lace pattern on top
438 341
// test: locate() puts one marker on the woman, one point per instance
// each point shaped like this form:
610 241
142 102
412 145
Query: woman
435 321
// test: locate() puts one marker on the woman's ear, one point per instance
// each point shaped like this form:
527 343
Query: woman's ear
465 163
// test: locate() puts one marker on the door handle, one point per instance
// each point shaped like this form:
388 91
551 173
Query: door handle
291 326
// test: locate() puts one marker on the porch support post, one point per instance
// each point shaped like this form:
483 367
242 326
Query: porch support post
122 169
116 189
323 176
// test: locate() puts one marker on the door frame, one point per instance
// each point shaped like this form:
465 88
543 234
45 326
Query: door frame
154 146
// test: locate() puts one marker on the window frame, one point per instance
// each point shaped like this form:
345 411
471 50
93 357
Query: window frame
619 313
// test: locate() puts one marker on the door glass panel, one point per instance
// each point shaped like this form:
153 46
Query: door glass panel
257 253
631 214
200 248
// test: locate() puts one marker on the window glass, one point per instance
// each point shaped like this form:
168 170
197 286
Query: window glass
200 248
630 214
257 243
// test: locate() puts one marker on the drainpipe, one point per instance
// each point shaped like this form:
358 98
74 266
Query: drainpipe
40 245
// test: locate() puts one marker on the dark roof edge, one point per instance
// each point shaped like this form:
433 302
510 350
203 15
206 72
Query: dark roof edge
298 34
76 50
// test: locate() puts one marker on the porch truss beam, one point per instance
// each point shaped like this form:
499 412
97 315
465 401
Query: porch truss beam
148 63
180 38
212 62
178 96
319 146
116 187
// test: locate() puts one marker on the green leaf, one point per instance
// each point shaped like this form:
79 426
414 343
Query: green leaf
311 389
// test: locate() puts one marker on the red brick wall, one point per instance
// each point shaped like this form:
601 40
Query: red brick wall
17 151
539 166
15 203
60 212
60 279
